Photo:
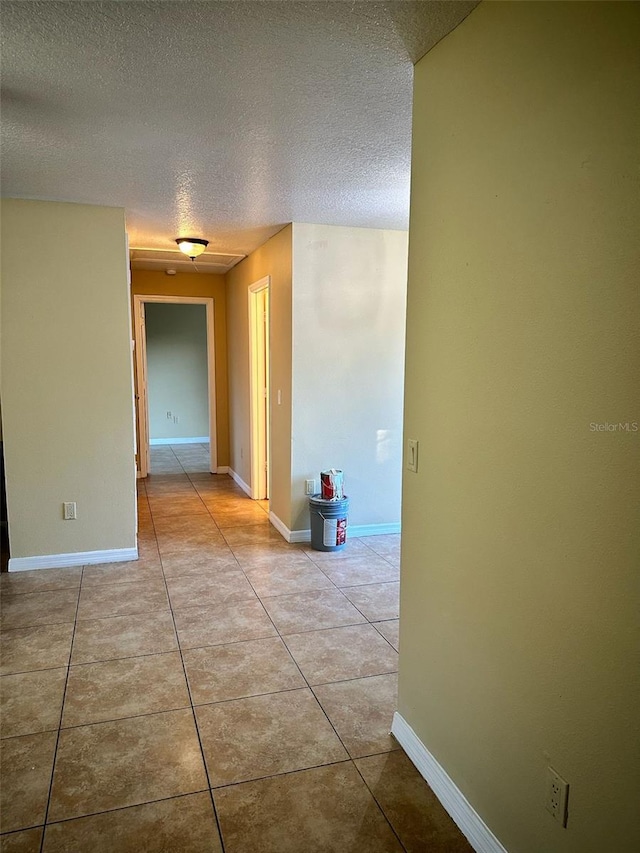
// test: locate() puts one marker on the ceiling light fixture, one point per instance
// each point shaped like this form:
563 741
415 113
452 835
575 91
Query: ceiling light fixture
192 246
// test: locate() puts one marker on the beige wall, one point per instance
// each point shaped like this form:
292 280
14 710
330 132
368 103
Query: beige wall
273 259
66 378
349 292
156 283
518 637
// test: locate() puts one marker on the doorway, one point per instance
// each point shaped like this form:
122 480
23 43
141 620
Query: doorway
259 387
142 377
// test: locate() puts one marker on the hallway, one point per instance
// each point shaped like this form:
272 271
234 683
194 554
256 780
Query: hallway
228 691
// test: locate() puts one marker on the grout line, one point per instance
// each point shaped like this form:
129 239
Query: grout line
193 714
64 696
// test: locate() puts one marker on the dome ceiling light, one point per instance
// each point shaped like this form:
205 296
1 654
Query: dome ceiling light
192 246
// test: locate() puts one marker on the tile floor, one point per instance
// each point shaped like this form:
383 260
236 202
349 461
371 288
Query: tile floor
227 691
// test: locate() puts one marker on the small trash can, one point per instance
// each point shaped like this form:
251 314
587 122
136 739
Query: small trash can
328 523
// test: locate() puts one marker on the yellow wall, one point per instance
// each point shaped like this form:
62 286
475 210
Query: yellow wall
274 259
66 378
156 283
519 612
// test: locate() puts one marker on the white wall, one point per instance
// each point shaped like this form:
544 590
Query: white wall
349 299
519 589
177 370
67 394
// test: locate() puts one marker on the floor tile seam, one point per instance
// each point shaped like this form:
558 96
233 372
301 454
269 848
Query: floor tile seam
11 594
284 773
73 665
10 832
217 702
355 678
373 583
329 628
40 625
64 696
122 808
130 613
379 804
383 636
307 592
228 643
121 719
28 671
193 716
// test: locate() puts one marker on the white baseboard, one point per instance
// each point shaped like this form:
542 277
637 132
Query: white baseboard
238 479
199 439
281 527
353 532
79 558
222 469
455 803
360 530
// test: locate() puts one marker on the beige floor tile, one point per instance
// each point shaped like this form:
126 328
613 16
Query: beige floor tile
238 516
110 690
233 671
360 570
125 763
389 631
178 526
264 735
26 841
185 824
185 505
336 654
223 588
377 601
223 623
31 702
26 649
40 580
361 712
288 578
123 636
309 611
202 541
271 555
25 772
29 609
137 571
410 805
324 810
388 546
120 599
187 563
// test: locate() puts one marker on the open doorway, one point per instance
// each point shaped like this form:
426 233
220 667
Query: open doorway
176 414
259 387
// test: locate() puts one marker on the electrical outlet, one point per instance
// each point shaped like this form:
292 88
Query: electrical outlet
69 511
309 487
169 416
557 796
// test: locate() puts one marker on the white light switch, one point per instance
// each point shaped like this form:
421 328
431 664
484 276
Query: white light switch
412 454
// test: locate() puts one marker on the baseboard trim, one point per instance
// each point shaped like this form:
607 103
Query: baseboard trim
353 532
361 530
198 439
79 558
238 479
222 469
281 527
455 803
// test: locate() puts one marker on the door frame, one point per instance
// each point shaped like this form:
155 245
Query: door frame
141 373
258 365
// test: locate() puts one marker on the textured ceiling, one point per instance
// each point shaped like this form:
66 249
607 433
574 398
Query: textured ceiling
217 119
